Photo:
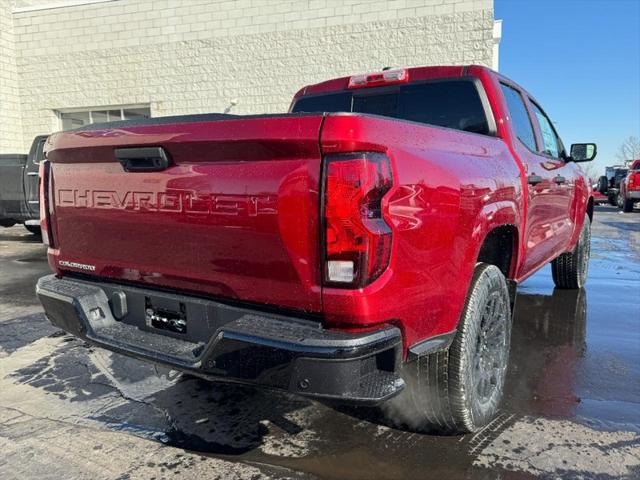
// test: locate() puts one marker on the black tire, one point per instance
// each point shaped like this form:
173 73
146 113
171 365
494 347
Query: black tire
613 201
570 269
603 184
459 390
7 222
35 229
627 205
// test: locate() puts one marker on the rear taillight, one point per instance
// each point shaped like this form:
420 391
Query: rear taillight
357 239
43 180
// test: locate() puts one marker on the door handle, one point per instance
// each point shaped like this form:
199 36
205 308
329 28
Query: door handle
559 180
534 179
143 159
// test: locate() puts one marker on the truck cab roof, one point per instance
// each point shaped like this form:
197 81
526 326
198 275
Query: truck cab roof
413 74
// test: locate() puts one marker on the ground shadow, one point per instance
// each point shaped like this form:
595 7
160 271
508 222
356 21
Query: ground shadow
25 237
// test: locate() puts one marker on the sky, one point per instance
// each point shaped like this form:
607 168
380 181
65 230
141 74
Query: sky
581 60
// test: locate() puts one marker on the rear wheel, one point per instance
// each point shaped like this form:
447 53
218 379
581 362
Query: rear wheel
570 269
612 199
459 390
626 204
35 229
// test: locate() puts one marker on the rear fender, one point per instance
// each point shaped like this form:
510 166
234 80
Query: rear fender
582 198
490 217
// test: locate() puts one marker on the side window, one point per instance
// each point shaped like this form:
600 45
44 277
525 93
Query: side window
450 104
79 118
519 116
39 152
333 102
551 142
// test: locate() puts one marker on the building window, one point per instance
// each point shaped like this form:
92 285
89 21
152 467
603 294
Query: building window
70 119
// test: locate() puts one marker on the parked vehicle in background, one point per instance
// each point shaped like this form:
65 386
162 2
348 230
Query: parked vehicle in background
363 248
629 192
598 197
19 200
609 183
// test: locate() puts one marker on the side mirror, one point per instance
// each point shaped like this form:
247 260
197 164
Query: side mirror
583 152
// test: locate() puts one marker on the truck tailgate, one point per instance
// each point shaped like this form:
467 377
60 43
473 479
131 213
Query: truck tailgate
234 215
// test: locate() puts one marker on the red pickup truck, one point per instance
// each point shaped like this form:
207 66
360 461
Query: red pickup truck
630 188
363 247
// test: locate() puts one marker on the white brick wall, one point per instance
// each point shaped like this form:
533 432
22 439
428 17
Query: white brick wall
192 56
11 140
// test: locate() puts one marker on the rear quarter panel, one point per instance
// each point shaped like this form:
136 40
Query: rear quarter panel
451 188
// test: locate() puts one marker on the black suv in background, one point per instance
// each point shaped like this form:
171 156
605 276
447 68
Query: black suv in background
19 201
609 183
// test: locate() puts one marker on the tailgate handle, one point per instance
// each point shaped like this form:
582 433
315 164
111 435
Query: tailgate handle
143 159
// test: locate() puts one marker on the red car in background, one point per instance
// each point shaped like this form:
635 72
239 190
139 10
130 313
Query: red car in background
630 188
598 198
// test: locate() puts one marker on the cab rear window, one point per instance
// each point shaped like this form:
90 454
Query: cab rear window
452 103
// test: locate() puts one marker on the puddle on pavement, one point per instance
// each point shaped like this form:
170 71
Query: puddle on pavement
575 356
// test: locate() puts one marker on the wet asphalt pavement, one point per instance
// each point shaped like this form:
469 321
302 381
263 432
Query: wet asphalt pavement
572 406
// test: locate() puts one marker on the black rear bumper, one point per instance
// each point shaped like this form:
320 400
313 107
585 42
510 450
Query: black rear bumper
228 343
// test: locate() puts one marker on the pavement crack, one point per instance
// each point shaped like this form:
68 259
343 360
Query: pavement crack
22 413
